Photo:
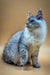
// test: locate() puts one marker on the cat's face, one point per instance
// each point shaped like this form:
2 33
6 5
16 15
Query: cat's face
36 21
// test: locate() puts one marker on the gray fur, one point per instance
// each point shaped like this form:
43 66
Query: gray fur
24 45
15 51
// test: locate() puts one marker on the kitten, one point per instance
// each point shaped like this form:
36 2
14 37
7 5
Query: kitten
24 45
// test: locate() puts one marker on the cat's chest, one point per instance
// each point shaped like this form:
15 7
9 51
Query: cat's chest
33 45
32 41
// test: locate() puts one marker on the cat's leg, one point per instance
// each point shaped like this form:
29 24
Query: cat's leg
29 60
35 59
23 55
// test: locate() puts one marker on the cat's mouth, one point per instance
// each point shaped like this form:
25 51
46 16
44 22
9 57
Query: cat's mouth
29 26
33 26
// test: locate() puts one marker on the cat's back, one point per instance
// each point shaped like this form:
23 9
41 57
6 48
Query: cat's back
16 37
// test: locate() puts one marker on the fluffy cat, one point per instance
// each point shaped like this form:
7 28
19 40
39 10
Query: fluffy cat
24 45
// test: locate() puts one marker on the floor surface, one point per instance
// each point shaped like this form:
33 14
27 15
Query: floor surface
44 60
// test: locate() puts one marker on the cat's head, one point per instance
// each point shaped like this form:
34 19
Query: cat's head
34 22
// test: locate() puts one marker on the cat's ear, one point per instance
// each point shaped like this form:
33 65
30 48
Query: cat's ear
30 14
40 14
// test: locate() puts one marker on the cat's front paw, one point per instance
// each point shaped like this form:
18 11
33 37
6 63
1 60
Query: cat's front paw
36 65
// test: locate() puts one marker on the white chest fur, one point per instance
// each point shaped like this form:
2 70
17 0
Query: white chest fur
35 38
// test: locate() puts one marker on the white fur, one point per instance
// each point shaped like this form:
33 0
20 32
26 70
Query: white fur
36 37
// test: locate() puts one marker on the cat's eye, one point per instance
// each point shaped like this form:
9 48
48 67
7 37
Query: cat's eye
32 21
